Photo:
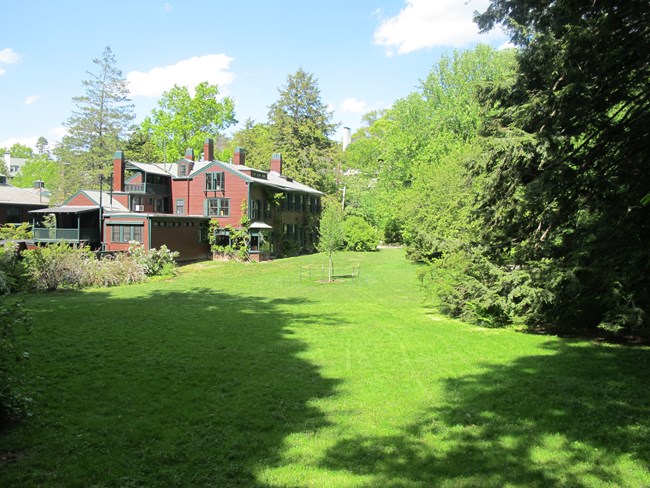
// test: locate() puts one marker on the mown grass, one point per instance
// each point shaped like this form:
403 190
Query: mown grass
241 375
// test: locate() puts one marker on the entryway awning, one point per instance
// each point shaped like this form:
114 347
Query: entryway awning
260 225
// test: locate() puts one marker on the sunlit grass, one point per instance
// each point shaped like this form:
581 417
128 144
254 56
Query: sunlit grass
242 375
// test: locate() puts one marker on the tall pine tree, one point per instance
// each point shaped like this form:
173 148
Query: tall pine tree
98 125
300 127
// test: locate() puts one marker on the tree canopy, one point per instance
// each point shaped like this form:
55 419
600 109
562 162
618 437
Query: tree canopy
183 121
564 175
301 125
101 121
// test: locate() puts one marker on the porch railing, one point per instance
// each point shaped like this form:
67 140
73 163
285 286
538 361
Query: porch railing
149 188
65 235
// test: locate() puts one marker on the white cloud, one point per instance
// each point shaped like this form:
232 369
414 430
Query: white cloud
212 68
3 72
9 56
167 7
31 99
59 132
354 106
25 141
425 24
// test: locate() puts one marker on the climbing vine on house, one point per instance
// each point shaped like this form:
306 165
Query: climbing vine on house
239 247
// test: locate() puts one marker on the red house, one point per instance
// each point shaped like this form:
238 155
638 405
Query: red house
173 204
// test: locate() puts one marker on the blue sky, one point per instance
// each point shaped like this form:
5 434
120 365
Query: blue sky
365 54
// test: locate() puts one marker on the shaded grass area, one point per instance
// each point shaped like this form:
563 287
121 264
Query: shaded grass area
241 375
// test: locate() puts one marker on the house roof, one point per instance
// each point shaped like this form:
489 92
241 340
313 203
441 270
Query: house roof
273 180
115 206
23 196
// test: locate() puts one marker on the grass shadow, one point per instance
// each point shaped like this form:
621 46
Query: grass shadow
169 388
579 416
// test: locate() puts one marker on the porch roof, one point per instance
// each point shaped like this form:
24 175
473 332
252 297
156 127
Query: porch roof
73 209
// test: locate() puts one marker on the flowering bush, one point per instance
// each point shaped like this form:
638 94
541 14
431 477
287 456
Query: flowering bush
154 262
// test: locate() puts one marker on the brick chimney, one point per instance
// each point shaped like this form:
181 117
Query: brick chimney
239 157
118 171
276 163
208 150
189 154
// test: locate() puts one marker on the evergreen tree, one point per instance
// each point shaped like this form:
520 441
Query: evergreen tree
566 175
97 127
301 127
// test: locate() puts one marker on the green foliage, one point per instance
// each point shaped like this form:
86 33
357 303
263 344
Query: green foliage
564 172
407 166
16 232
331 231
63 266
154 262
239 247
13 273
184 121
464 284
41 167
360 236
13 317
19 150
300 126
58 265
256 139
102 119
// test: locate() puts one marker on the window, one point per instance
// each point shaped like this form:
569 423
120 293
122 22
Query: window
13 215
215 182
218 207
180 206
126 233
254 210
291 232
158 205
137 204
182 170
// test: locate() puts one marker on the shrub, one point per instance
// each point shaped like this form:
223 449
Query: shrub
392 231
62 266
463 283
17 232
360 235
58 265
155 262
14 272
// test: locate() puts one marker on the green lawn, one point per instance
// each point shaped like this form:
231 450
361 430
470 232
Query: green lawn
240 375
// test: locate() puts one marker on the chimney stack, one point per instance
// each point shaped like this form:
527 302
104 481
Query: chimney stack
208 150
189 154
276 163
239 157
118 171
347 137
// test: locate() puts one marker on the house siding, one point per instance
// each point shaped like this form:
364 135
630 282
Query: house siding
182 235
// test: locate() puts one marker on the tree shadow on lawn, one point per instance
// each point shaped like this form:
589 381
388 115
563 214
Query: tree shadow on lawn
578 417
194 388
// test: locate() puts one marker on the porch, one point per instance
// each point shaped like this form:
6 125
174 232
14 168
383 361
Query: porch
69 224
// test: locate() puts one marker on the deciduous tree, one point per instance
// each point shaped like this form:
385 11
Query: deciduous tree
183 120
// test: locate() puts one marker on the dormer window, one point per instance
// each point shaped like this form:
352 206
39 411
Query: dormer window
182 169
